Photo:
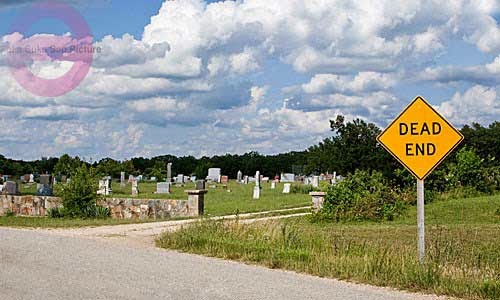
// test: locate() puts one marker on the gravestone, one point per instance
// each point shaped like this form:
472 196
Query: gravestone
287 177
10 188
169 172
315 181
104 187
122 179
306 180
163 188
286 188
45 179
26 178
224 179
245 179
256 189
200 185
130 178
179 180
44 190
32 178
273 185
214 174
153 178
239 177
135 188
334 179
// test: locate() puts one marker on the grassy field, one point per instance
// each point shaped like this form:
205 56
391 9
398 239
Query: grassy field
218 202
462 239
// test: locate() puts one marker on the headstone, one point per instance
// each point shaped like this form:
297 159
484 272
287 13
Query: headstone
193 178
10 188
130 178
169 172
286 188
45 179
214 174
200 185
273 185
139 177
44 190
153 178
265 179
245 179
180 179
287 177
315 181
122 179
104 187
256 189
306 180
239 177
26 178
334 179
163 188
224 179
135 188
32 178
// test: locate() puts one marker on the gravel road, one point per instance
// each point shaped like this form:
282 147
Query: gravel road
45 265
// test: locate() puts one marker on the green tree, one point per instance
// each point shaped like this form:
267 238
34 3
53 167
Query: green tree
79 196
66 165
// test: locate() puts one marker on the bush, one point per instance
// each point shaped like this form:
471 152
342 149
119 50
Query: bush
364 196
56 212
301 189
9 213
79 196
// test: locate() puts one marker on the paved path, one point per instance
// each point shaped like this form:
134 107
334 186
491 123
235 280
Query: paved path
43 265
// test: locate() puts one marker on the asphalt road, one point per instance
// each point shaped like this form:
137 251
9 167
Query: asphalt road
42 265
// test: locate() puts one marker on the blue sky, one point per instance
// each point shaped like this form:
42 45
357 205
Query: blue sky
189 77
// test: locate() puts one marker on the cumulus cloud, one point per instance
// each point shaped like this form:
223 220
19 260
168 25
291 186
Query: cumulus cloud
478 104
218 74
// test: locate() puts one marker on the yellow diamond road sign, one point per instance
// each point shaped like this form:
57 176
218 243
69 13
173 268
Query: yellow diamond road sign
420 138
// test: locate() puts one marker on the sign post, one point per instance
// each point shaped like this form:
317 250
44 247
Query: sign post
420 139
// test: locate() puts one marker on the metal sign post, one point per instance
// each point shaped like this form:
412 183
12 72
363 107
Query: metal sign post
421 220
420 138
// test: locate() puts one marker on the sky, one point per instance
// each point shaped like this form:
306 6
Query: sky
191 77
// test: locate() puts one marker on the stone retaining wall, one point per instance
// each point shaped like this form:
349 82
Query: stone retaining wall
121 208
27 205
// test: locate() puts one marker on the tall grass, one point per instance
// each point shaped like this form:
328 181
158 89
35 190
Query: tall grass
461 259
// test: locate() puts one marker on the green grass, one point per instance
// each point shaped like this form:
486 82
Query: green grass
462 239
218 202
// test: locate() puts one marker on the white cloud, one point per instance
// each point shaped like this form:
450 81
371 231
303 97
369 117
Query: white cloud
478 104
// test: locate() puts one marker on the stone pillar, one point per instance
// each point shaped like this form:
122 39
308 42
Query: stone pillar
196 202
273 185
256 189
169 172
122 179
135 188
318 199
239 176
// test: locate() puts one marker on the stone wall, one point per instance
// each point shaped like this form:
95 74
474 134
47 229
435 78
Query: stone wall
27 205
121 208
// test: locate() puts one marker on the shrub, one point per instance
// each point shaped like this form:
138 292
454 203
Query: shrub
79 196
56 212
9 213
363 196
301 189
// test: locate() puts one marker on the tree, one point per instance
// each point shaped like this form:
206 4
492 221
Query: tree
66 165
79 196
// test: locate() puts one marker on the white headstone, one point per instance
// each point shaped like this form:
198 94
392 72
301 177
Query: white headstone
163 188
135 187
286 188
257 179
169 172
287 177
32 178
315 181
273 185
256 192
239 176
214 174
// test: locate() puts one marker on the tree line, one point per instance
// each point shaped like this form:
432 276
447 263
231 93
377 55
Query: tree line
351 147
